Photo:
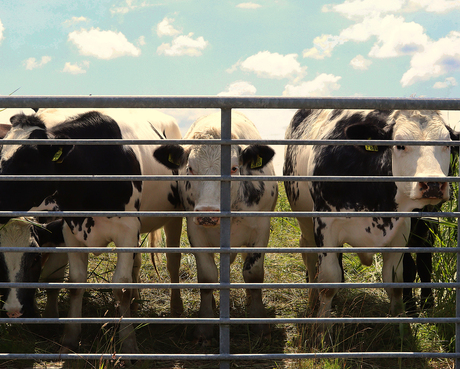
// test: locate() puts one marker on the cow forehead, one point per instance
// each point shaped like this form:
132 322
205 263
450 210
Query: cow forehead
420 125
16 133
16 233
206 154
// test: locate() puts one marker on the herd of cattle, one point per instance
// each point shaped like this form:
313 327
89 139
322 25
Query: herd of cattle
50 159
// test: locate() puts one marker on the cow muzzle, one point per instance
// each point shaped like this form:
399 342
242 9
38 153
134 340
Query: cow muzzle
433 190
206 221
14 314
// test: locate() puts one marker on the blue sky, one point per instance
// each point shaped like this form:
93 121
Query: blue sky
394 48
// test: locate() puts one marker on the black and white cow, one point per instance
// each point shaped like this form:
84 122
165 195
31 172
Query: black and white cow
205 196
30 267
368 160
50 159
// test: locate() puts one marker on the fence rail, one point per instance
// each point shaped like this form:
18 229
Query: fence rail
225 104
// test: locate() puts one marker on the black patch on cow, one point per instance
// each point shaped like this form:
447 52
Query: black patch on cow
335 113
174 196
251 194
299 117
22 121
137 204
355 161
319 225
250 260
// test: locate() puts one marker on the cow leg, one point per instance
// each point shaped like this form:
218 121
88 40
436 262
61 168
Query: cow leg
78 265
253 272
137 263
424 269
329 272
128 235
173 232
53 271
207 273
310 260
409 273
123 274
393 272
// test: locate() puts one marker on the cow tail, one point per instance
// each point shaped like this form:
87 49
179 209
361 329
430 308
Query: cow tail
154 241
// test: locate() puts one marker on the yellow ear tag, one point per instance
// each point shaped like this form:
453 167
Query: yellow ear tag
256 163
58 155
371 147
171 160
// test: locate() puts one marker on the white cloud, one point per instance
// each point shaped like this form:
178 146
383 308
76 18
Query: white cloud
324 45
2 29
239 88
363 8
323 85
129 5
183 45
438 58
165 28
102 44
74 20
248 6
32 63
272 65
395 36
141 41
448 82
434 6
360 62
76 68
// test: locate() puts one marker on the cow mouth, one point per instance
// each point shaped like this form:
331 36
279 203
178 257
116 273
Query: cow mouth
207 221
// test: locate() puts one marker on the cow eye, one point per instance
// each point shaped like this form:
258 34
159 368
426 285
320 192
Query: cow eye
400 147
234 169
189 170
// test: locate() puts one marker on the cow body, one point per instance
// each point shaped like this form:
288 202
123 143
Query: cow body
20 267
205 196
369 160
127 195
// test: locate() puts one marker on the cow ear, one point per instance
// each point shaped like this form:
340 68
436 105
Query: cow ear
55 153
257 156
454 135
171 156
366 131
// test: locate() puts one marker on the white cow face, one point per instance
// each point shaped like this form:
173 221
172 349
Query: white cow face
206 160
19 267
421 161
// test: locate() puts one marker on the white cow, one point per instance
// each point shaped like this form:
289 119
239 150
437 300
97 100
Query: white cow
205 196
359 160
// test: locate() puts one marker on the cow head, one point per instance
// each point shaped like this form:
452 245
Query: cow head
19 267
206 160
414 161
23 159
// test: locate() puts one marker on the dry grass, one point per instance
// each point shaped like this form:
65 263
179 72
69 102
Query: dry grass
288 338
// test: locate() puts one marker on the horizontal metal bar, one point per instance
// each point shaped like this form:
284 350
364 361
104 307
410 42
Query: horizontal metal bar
235 321
233 214
223 142
239 178
221 102
233 250
232 357
224 286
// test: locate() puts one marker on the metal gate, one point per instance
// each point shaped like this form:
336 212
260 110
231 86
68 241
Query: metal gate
226 104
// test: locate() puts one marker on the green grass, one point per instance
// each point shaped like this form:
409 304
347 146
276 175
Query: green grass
285 338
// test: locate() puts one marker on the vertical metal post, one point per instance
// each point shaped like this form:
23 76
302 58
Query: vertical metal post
225 228
457 290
